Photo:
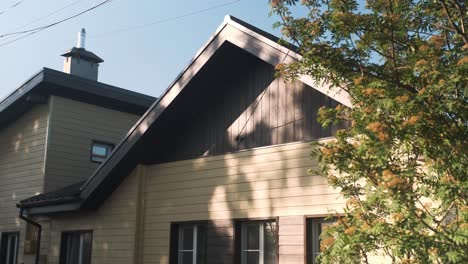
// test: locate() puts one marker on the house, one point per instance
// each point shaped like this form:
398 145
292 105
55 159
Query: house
214 172
55 130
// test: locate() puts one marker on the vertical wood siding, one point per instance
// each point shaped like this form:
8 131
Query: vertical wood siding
74 125
22 147
258 183
234 103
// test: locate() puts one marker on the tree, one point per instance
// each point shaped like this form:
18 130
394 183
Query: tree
402 162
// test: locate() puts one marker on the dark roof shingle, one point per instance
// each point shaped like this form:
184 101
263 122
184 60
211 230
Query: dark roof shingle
65 194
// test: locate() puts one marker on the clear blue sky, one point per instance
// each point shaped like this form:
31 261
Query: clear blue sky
145 60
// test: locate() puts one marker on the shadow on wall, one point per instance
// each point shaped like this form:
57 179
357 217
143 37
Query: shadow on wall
234 103
254 187
22 144
21 163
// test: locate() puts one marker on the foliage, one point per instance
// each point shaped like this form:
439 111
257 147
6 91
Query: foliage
402 162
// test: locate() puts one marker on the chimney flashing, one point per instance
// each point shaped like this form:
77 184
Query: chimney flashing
83 54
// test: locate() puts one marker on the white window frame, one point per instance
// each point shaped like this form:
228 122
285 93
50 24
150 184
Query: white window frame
194 243
261 245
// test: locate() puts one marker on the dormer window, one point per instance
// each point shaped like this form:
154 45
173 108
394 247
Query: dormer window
100 151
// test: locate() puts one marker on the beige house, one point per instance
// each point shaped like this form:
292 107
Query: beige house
55 130
214 172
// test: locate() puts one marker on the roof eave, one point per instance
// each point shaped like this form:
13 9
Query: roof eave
50 202
53 208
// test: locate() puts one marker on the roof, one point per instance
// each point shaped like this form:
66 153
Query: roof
51 82
83 53
124 158
68 193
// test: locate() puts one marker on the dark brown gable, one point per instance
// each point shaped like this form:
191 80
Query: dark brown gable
234 103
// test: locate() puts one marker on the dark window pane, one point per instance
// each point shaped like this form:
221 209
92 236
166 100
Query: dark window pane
253 236
99 151
314 230
87 247
187 238
270 243
73 248
252 257
186 257
76 248
201 244
11 248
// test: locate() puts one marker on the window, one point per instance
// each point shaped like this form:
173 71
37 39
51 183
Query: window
9 248
188 243
314 229
75 247
258 243
100 151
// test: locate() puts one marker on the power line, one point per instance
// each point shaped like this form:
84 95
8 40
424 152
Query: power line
16 39
164 20
11 7
39 29
50 14
42 18
160 21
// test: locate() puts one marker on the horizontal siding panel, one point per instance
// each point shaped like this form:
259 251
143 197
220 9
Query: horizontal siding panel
291 240
240 199
22 149
113 226
246 205
235 178
74 125
274 183
241 171
255 154
219 168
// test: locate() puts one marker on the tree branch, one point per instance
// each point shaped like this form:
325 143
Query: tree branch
449 17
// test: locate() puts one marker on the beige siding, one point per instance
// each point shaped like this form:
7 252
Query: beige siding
74 125
265 182
291 239
22 147
113 226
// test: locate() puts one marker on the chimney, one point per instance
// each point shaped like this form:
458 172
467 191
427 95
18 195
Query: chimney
80 62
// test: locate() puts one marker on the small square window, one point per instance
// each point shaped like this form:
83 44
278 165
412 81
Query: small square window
100 151
76 247
314 230
9 248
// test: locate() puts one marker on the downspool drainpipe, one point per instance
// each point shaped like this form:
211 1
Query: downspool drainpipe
39 231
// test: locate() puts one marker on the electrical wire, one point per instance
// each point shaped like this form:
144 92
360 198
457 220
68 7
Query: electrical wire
49 14
38 29
160 21
11 7
165 20
42 18
16 39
